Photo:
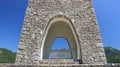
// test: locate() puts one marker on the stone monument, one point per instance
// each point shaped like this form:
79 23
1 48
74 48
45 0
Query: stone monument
74 20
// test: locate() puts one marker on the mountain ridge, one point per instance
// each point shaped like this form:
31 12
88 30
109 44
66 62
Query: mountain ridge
7 56
112 55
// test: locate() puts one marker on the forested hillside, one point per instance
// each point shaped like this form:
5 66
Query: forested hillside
7 56
112 55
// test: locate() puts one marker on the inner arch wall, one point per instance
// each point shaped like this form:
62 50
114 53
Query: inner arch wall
60 26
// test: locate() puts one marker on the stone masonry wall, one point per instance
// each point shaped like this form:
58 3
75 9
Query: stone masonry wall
81 13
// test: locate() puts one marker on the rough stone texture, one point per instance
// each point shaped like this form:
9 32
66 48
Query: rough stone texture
58 61
80 12
62 65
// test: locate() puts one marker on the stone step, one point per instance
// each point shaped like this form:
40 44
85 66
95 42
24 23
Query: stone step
58 61
62 65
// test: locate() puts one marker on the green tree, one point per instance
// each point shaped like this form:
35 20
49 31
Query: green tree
112 55
7 56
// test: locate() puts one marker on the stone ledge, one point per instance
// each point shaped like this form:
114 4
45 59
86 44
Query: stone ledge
62 65
58 61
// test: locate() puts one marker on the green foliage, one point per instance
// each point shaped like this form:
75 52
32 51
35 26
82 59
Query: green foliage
112 55
7 56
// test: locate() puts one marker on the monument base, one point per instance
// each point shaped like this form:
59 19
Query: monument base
62 65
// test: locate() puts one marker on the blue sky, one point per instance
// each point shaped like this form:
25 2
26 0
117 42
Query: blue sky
60 41
12 15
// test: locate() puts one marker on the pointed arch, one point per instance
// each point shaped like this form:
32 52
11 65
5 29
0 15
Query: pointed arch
60 26
60 49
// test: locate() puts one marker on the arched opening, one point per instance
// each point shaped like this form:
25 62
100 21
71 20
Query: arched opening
60 26
60 49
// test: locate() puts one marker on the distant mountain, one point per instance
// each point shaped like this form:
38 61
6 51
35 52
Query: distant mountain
7 56
112 55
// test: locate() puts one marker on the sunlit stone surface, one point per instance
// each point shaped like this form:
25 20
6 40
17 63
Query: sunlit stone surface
73 19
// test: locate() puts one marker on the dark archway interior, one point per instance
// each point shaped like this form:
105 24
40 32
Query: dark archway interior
59 29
